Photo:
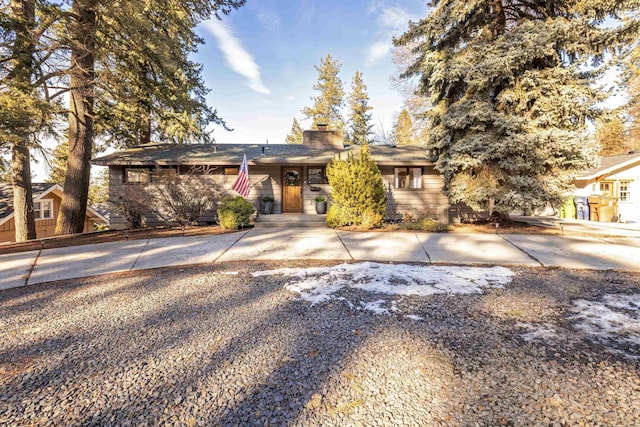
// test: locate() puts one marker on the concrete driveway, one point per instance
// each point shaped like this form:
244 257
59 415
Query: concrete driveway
47 265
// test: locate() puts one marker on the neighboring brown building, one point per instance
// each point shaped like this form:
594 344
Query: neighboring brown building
292 174
46 200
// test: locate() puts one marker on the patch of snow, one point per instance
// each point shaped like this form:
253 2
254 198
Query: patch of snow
376 306
543 332
616 317
319 284
414 317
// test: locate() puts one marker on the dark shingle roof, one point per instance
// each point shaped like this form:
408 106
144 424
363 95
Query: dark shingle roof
609 164
231 154
6 196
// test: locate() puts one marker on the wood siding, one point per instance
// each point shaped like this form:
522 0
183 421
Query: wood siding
44 227
266 180
428 200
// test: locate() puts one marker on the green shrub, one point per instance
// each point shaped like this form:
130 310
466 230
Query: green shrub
234 212
357 191
371 219
335 217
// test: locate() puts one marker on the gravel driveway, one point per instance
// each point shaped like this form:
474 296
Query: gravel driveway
216 345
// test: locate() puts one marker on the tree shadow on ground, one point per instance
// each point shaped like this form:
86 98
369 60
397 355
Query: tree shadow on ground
203 346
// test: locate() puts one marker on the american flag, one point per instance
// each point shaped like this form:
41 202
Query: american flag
242 184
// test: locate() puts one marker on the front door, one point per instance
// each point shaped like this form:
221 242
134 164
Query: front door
291 190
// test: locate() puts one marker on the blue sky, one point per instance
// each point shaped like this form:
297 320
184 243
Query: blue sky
259 61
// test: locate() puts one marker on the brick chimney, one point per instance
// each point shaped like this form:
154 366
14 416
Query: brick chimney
322 138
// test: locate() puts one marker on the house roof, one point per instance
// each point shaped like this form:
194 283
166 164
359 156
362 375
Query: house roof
40 191
611 164
6 196
231 154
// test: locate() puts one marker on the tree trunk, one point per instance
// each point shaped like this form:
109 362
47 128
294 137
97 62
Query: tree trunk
145 104
22 193
145 127
76 184
500 20
23 11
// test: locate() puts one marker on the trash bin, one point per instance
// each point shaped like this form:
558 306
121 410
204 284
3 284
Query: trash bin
609 209
595 202
582 207
568 209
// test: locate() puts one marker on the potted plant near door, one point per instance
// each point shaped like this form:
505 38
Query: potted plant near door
321 205
267 204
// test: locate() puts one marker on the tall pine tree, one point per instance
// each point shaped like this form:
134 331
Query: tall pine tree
612 137
327 105
511 95
360 126
59 163
295 135
403 132
129 59
147 88
20 106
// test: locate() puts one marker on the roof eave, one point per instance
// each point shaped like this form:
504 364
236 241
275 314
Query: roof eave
610 170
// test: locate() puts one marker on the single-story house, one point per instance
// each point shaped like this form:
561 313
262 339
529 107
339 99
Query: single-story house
618 177
46 204
294 175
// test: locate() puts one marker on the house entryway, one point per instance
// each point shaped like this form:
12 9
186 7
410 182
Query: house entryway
291 189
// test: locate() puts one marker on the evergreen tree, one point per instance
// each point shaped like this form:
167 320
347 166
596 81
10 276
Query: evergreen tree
147 87
82 41
59 163
359 131
131 57
5 172
357 191
327 105
99 189
510 95
20 106
632 81
295 135
634 113
612 137
417 105
403 129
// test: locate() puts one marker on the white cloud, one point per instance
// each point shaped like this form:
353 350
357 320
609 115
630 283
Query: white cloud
377 51
238 59
392 20
270 20
290 98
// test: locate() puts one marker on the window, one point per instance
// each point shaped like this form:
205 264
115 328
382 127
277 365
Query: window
624 191
316 175
43 209
136 176
606 188
410 178
231 171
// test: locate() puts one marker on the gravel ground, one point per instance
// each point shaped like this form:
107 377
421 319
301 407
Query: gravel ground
212 345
